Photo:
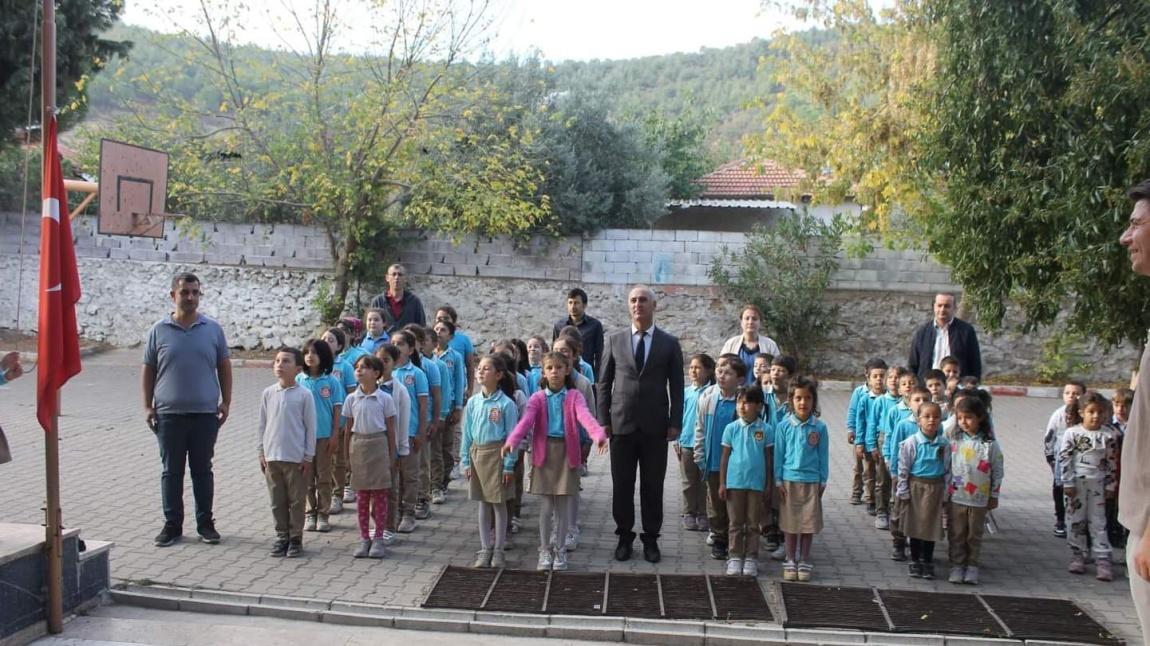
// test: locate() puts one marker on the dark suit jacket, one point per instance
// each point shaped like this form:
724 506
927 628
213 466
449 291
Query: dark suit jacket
963 346
650 402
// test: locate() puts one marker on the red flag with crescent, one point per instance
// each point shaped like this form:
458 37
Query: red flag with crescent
58 347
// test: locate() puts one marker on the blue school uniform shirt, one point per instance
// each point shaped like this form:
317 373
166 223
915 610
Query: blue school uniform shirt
690 407
343 372
328 392
862 424
858 396
521 384
802 451
487 419
587 371
457 368
436 375
903 430
894 415
725 413
415 381
370 344
876 412
351 355
461 343
931 456
534 377
555 412
747 464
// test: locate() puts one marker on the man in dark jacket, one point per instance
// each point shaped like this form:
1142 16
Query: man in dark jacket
589 328
400 306
945 336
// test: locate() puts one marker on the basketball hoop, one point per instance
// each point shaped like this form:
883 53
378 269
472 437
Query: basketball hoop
133 190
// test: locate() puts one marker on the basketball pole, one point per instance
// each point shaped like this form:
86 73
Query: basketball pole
54 543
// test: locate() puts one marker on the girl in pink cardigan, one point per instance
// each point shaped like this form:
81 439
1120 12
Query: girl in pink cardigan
553 417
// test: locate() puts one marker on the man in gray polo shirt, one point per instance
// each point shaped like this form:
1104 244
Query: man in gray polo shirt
187 383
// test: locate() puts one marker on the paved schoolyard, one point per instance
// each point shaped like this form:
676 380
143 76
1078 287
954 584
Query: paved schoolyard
110 488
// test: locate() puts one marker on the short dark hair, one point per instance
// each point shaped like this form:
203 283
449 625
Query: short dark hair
875 364
323 351
919 390
1075 408
969 381
340 336
948 360
786 361
371 361
578 293
296 355
1076 382
1124 395
751 394
447 324
937 375
184 277
736 364
389 349
1140 191
928 404
450 312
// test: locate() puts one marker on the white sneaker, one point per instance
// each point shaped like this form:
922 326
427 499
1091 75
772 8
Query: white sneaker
710 538
572 541
336 505
348 495
309 523
498 559
779 554
750 567
734 567
482 559
388 537
515 524
456 473
559 560
406 525
322 525
438 497
882 521
545 560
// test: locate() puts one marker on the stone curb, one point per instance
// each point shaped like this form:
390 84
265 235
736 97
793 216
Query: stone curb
658 632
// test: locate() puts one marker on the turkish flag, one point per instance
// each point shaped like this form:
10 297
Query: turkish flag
58 346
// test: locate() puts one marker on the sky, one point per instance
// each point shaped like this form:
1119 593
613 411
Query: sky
560 30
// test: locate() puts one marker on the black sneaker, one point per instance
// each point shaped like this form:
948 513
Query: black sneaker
279 548
1060 530
928 571
167 536
898 553
914 570
870 509
294 548
719 551
208 533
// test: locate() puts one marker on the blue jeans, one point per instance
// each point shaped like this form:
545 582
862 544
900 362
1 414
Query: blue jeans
191 438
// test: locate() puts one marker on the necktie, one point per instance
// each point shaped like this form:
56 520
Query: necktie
641 352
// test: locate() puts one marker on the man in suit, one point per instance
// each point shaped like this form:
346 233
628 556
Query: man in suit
945 336
640 401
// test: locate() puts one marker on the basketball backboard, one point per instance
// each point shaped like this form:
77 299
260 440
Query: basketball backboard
133 190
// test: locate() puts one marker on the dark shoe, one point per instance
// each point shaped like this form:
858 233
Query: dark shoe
651 553
898 553
928 571
623 551
279 548
208 533
1060 530
914 570
719 551
294 548
871 509
167 536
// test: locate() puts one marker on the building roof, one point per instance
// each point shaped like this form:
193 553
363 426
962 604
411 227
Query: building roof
746 179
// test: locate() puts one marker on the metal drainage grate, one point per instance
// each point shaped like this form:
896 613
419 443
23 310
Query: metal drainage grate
739 598
460 587
810 606
576 593
956 614
633 595
1048 620
686 597
518 591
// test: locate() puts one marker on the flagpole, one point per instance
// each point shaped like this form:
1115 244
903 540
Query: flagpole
53 539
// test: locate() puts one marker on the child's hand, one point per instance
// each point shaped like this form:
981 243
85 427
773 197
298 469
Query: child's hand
876 455
722 492
822 490
304 466
467 473
603 446
508 478
1069 491
851 438
860 453
505 451
992 505
782 493
263 464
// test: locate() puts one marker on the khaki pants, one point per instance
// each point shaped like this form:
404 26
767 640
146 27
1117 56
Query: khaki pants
717 510
515 505
425 453
1139 587
405 492
442 456
882 480
862 484
694 489
319 485
964 534
340 474
287 489
744 507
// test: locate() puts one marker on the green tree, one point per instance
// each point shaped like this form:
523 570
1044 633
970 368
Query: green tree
784 270
680 145
81 52
1041 110
337 140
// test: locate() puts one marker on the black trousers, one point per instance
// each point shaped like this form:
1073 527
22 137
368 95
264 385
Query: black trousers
187 439
645 454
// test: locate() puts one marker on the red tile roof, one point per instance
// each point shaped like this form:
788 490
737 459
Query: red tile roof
743 178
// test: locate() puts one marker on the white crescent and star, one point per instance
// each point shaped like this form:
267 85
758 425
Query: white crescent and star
51 209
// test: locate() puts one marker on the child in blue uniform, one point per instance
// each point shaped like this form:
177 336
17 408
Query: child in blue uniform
802 468
694 515
862 484
873 441
747 446
409 373
904 429
328 393
716 409
923 479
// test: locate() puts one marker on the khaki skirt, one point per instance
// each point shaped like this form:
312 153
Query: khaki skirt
370 461
922 514
486 483
555 477
801 511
